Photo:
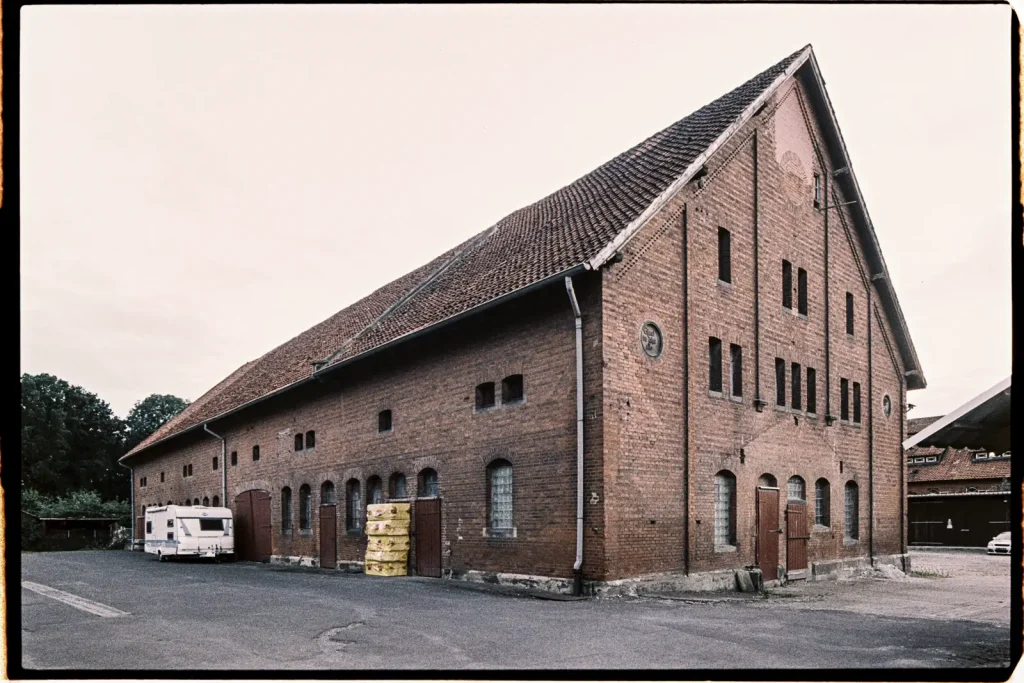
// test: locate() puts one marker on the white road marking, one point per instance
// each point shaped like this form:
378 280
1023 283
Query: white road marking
75 601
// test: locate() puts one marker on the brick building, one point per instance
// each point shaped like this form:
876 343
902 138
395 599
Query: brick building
718 294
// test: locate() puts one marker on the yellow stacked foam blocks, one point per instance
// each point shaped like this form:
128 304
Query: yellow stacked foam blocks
387 548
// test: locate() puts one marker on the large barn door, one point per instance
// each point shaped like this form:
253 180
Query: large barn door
768 532
252 526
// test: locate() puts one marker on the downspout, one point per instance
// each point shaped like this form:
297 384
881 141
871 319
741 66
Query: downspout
828 295
686 396
131 500
577 567
223 464
871 445
903 493
758 403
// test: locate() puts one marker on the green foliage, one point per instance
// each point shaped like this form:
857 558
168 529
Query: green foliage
70 439
148 415
82 504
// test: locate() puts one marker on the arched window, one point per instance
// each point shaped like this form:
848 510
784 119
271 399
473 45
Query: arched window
397 486
327 496
286 509
310 439
298 441
353 506
374 490
852 511
195 501
170 502
512 389
216 501
499 476
767 480
305 508
725 510
796 490
427 483
206 501
822 503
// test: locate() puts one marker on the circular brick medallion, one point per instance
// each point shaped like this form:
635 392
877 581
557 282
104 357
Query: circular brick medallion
651 339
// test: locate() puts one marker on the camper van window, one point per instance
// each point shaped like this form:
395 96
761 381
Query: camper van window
149 527
170 523
170 535
211 525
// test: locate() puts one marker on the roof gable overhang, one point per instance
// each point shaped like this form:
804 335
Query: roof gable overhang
983 422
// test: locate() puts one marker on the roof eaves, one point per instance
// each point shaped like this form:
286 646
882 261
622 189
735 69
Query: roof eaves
630 230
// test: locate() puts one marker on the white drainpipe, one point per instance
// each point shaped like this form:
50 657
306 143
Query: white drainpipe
223 465
577 567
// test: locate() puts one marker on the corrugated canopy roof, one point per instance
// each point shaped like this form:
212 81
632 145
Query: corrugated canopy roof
983 423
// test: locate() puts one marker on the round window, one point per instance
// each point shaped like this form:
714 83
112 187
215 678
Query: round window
651 339
887 405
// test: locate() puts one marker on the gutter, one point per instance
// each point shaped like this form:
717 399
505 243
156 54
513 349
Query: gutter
223 464
316 374
577 567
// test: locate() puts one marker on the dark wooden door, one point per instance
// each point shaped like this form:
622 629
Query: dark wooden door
252 526
428 537
768 532
796 537
140 528
329 536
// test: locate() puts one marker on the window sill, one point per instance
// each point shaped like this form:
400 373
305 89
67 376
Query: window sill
726 285
305 532
811 416
385 431
485 409
847 541
716 394
821 529
500 534
287 532
353 532
725 548
512 404
735 399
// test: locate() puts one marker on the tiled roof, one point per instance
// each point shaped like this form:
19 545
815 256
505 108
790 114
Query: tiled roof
955 464
563 230
916 424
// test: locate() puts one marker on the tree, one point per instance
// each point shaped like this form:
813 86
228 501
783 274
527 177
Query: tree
71 439
148 415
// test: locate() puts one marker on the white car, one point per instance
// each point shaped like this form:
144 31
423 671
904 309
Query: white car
1000 545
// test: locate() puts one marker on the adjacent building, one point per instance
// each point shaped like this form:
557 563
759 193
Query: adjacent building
689 361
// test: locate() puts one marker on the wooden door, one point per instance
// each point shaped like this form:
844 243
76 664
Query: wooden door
140 528
768 532
428 537
329 536
252 526
796 538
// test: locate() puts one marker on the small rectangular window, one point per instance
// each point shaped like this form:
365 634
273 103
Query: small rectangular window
817 190
512 389
787 285
184 471
849 313
844 399
797 384
255 453
715 364
856 402
299 441
736 368
812 391
310 439
801 286
485 395
234 458
780 382
215 463
190 469
384 421
724 255
161 477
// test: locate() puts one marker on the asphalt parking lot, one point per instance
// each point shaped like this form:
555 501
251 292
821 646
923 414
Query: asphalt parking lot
122 610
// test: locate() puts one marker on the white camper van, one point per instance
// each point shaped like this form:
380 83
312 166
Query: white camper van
189 530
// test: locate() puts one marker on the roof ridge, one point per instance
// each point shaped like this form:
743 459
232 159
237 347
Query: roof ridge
470 244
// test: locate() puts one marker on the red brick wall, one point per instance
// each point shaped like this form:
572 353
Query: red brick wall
644 450
429 385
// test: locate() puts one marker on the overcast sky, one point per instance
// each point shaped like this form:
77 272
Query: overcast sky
202 183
